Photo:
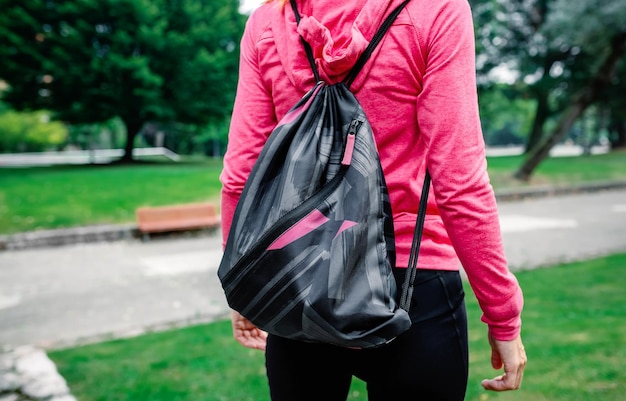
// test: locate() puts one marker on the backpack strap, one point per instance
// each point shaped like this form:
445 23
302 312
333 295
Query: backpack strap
378 36
307 46
366 53
411 270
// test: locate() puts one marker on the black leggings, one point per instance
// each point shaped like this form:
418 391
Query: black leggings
428 362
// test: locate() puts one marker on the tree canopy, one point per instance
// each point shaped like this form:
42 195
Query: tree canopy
153 63
563 54
140 60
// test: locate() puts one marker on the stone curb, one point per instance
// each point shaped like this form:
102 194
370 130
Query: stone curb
83 235
114 232
139 331
546 191
66 236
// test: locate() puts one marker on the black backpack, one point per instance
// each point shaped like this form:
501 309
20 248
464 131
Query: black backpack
311 249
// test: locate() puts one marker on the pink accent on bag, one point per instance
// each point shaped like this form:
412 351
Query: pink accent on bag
347 154
344 226
309 223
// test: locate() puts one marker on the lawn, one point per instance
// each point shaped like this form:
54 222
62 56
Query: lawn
574 330
559 171
64 196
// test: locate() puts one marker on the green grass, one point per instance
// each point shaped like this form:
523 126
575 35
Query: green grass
559 171
64 196
574 331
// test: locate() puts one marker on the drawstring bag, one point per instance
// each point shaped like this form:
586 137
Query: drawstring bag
310 252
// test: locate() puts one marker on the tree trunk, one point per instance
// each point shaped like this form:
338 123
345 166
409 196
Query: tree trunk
541 115
589 95
133 126
541 91
617 131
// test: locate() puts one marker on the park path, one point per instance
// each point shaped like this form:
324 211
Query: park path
59 296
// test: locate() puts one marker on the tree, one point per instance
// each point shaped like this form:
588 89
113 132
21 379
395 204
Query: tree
603 35
614 106
504 114
560 53
30 132
168 61
510 35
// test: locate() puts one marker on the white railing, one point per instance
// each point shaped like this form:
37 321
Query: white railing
96 156
556 151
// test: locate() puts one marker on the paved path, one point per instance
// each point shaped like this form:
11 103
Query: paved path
559 229
55 297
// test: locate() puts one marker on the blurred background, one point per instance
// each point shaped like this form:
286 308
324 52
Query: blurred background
126 75
109 106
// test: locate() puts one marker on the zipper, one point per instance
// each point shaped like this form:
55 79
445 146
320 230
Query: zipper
288 220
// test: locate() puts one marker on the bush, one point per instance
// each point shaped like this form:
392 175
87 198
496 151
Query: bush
30 132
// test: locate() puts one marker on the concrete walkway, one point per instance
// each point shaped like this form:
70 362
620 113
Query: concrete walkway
58 296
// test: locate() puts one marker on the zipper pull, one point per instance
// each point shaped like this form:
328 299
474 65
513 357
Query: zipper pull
355 125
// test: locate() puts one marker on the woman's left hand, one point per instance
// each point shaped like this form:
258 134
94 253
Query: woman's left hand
246 333
510 355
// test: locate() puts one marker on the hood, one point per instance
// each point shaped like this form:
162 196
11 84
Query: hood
338 33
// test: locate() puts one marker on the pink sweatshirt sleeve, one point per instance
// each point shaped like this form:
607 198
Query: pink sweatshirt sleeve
448 117
252 121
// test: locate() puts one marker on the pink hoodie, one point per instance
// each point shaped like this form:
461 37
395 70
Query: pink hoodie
419 92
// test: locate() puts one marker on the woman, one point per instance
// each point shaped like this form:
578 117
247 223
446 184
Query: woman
418 90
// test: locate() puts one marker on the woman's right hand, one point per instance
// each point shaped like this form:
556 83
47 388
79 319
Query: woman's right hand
246 333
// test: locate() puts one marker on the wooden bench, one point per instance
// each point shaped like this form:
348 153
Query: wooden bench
191 216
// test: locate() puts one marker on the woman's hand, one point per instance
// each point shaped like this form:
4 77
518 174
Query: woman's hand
246 333
512 356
